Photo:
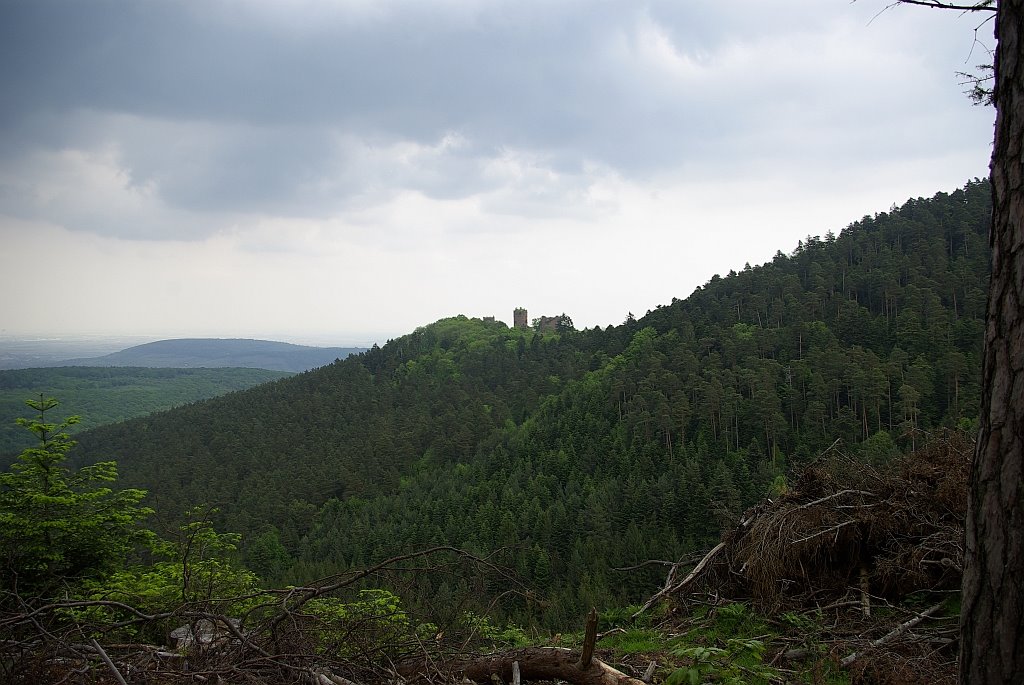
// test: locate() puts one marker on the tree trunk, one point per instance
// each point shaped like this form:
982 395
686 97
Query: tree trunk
992 620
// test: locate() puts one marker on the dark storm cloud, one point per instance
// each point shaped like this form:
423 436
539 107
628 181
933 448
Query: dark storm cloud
410 72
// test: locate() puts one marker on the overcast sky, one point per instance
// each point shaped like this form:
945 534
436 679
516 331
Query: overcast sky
340 172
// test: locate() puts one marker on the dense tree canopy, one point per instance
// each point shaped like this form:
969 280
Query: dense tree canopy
102 395
581 452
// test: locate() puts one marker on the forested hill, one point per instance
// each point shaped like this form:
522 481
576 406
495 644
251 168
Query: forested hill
221 353
583 452
105 395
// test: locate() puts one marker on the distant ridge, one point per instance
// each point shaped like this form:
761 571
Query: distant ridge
191 353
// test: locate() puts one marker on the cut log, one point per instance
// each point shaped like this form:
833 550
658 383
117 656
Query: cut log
535 663
589 641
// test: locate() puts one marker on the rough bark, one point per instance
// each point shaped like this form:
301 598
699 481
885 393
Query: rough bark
992 619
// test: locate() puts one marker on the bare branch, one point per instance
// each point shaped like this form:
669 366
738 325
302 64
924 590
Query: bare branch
108 662
983 6
686 581
896 632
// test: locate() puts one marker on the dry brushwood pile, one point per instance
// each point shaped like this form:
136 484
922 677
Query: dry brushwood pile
296 636
873 553
226 652
845 527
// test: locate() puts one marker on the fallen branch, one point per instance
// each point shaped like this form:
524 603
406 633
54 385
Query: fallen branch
823 532
684 582
700 567
110 664
894 633
834 495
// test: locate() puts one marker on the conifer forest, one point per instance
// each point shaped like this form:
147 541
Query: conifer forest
494 484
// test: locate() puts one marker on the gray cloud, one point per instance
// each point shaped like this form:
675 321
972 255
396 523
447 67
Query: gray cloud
309 109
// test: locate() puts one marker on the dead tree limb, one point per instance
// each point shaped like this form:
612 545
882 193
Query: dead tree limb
830 529
894 633
110 664
834 495
667 590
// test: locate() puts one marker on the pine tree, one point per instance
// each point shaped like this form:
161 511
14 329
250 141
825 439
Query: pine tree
59 525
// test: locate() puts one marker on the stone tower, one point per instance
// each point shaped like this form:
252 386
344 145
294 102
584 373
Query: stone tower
519 318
